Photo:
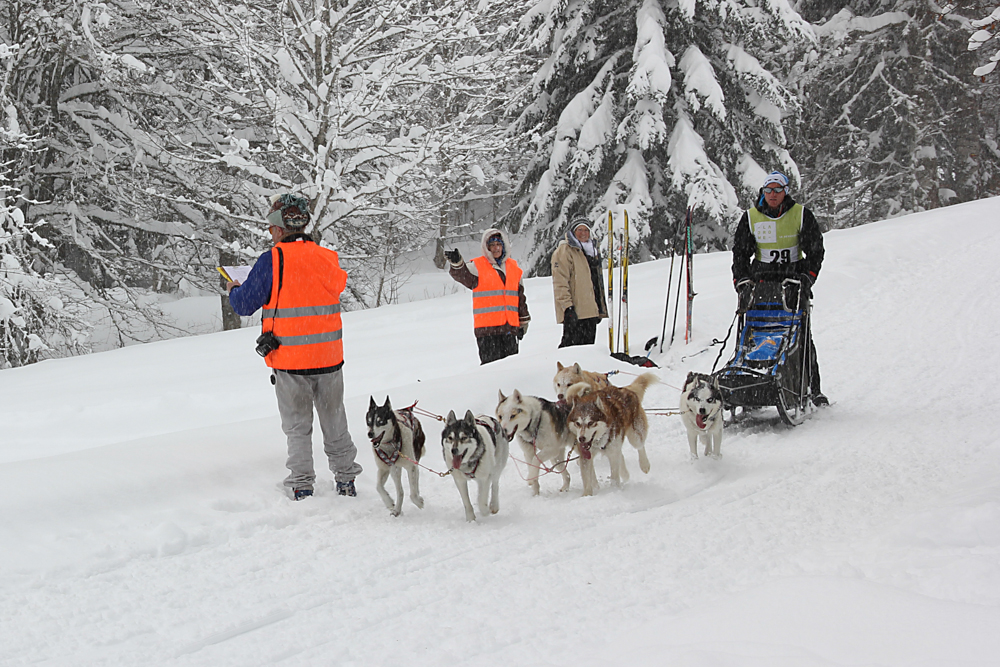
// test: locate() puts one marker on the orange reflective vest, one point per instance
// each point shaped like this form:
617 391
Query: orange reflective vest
304 309
494 303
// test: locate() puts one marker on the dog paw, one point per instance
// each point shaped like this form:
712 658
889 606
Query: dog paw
396 511
418 501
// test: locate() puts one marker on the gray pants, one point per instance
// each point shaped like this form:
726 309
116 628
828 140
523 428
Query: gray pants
297 394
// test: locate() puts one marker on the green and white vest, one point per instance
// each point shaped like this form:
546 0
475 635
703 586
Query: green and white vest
777 238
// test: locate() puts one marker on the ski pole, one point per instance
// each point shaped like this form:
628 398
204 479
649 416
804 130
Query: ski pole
690 278
666 307
670 284
677 298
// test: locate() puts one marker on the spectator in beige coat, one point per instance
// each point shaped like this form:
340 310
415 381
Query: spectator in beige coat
577 285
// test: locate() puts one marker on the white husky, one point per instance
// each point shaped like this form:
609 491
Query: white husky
541 430
701 411
475 448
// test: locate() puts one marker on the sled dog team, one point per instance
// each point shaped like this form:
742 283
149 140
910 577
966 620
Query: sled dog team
591 417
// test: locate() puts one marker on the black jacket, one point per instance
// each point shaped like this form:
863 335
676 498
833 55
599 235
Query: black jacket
745 248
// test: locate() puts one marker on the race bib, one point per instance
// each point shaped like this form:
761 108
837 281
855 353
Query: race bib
766 232
775 256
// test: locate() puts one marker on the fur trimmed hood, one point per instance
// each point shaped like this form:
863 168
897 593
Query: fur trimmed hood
506 245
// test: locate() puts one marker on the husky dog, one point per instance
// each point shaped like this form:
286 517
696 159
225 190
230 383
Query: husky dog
397 441
602 419
475 448
701 411
567 376
541 429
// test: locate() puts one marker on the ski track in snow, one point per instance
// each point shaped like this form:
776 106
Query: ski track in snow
826 544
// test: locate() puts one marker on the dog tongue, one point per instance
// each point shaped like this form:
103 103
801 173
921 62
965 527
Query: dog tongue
456 462
700 420
585 453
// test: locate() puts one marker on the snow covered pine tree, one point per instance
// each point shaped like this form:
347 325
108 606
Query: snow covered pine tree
892 121
986 29
654 104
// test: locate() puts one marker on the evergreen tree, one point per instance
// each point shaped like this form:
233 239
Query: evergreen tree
985 30
892 121
655 105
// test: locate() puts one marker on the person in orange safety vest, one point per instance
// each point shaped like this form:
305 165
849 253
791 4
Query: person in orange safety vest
298 284
499 308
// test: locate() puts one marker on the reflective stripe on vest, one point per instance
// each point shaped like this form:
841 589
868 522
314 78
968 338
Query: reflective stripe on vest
494 303
304 308
777 239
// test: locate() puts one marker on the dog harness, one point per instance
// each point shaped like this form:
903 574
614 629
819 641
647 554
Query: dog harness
491 426
534 438
409 419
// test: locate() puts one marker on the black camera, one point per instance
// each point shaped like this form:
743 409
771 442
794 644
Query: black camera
267 343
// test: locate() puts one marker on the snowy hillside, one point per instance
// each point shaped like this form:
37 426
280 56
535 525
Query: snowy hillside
144 523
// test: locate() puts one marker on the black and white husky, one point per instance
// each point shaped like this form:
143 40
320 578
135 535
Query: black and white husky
475 448
701 411
397 441
541 429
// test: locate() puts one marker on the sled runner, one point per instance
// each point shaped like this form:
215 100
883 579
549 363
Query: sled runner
771 365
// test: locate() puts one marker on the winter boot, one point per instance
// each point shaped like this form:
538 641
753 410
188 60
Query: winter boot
299 494
347 489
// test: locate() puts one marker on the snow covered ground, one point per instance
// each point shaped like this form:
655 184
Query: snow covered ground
143 520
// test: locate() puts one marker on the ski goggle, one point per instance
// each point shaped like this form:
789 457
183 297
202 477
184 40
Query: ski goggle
770 190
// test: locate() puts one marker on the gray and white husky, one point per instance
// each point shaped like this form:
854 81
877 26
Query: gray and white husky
701 412
541 430
475 448
397 441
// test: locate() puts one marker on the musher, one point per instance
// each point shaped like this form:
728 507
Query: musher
777 239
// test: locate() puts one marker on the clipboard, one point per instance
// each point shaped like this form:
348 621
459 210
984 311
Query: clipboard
234 274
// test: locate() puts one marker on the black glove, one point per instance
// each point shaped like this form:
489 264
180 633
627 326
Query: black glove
745 291
453 256
522 329
569 316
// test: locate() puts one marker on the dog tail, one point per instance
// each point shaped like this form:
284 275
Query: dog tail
641 383
576 390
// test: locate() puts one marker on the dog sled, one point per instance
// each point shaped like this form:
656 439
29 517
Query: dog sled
772 363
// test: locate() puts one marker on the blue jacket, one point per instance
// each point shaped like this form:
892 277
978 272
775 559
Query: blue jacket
248 298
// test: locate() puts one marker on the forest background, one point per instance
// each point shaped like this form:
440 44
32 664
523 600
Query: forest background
140 141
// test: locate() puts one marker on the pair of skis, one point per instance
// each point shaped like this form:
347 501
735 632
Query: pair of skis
687 268
623 264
